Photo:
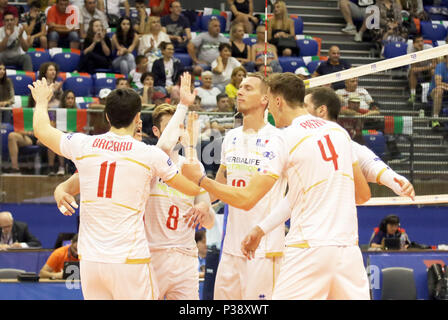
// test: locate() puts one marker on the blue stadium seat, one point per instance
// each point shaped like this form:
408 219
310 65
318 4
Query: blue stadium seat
100 83
250 41
376 143
290 64
298 25
432 31
205 19
197 83
67 61
39 57
81 86
312 65
184 58
308 47
395 49
21 83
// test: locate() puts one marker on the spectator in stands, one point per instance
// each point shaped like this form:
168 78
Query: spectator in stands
147 91
97 120
390 21
97 51
241 51
5 7
141 67
35 26
14 44
160 8
351 88
389 228
437 88
207 92
223 103
177 26
122 83
203 49
58 31
351 10
6 89
125 41
200 237
223 66
419 72
54 266
167 70
112 8
238 74
17 140
149 45
265 70
88 12
302 73
15 234
258 52
281 32
142 16
243 12
50 71
333 64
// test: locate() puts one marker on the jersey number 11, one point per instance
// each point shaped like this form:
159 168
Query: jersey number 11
102 180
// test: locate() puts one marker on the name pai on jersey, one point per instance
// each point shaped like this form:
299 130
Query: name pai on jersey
110 145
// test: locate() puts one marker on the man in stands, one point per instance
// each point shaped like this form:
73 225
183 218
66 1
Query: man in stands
88 12
177 26
160 7
439 85
58 30
333 64
5 7
15 234
54 266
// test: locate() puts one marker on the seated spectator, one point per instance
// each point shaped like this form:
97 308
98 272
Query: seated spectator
141 20
238 74
201 242
177 26
351 10
97 51
351 88
243 12
15 234
207 92
160 8
54 266
203 49
258 52
333 64
389 228
49 71
58 31
147 91
34 23
281 32
203 119
223 66
390 21
302 73
17 140
5 7
14 44
223 103
150 41
167 70
112 9
241 51
222 123
97 120
122 83
141 67
88 12
6 89
125 41
265 70
437 88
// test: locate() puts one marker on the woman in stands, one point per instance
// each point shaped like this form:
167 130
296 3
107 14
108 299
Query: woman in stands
125 40
207 92
167 70
241 51
151 40
97 51
50 71
258 52
243 12
238 74
6 88
223 66
281 32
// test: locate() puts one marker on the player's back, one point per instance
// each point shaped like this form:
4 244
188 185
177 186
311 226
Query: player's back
115 173
321 185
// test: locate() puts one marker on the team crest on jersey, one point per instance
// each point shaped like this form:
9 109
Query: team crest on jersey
169 162
261 143
70 135
269 154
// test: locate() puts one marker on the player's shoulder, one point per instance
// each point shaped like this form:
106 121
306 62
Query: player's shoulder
233 133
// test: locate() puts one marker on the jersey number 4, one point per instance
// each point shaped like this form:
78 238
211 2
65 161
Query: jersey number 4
333 155
105 190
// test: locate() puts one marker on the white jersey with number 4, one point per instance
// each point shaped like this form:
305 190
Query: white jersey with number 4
242 154
114 174
317 158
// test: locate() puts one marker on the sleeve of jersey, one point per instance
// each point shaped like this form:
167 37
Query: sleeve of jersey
162 164
171 134
223 151
274 158
70 144
279 215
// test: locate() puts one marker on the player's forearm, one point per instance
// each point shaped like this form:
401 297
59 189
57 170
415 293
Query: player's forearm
279 215
43 130
71 185
171 134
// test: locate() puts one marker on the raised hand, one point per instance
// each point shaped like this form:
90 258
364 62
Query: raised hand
42 92
186 96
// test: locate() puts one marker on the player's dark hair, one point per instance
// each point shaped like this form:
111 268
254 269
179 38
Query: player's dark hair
289 86
324 96
122 105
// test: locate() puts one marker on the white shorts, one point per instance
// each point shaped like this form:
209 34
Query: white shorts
117 281
177 273
238 278
331 272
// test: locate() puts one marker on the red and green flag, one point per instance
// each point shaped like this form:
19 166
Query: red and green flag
397 125
71 120
22 119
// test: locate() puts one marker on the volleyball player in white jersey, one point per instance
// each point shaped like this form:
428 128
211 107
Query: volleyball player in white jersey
242 151
321 259
115 171
324 103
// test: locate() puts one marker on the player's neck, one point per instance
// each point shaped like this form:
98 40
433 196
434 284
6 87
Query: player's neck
253 121
129 131
294 113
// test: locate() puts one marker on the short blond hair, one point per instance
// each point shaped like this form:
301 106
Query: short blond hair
160 111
